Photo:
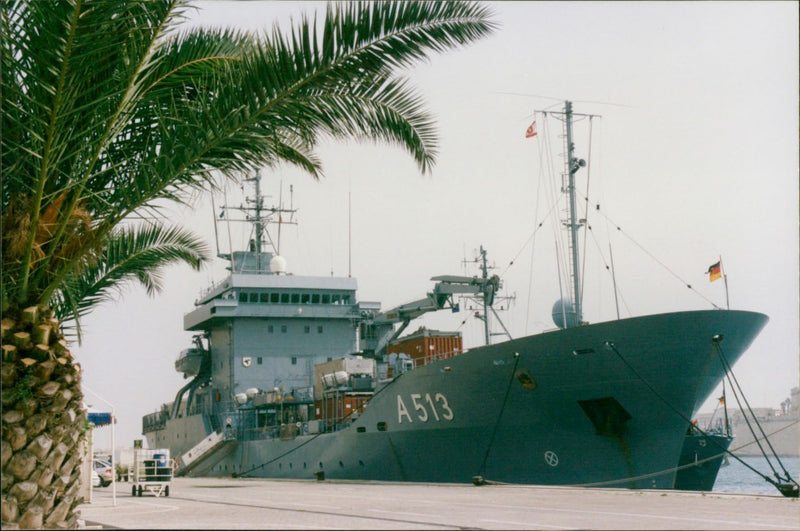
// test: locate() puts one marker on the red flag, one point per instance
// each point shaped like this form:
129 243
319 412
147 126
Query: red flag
531 130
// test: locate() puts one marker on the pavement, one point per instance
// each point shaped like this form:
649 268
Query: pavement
224 503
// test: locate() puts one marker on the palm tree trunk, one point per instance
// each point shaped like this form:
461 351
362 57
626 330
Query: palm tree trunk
44 422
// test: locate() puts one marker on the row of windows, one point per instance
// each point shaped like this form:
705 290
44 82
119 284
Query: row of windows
285 328
280 466
294 298
260 360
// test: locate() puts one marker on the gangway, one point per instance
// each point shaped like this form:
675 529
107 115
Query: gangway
205 454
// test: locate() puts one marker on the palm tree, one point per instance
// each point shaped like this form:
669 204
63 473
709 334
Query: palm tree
109 109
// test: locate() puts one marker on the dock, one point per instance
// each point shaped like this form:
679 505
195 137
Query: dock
224 503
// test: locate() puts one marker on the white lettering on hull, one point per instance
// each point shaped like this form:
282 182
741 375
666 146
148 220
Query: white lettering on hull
426 407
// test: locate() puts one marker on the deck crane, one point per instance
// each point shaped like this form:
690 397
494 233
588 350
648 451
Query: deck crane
378 328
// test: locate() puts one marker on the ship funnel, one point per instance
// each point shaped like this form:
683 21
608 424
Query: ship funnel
564 315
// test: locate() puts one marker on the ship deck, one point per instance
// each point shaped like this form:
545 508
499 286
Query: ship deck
217 503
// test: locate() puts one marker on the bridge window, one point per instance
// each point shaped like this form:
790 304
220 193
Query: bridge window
243 297
295 298
264 297
284 298
305 298
326 299
315 298
274 298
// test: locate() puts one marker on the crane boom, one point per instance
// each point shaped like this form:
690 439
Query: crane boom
440 298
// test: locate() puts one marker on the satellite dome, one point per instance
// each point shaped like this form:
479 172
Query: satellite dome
564 314
277 265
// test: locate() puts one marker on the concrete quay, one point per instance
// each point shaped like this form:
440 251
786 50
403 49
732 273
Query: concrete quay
223 503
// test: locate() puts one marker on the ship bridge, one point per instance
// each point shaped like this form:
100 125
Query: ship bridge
275 296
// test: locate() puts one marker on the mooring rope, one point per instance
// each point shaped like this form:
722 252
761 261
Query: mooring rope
611 345
732 378
482 471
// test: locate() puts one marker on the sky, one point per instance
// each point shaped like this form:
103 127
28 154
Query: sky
694 155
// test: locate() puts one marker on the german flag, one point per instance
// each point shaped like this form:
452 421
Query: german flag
714 272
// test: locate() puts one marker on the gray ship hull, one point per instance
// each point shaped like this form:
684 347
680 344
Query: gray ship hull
602 405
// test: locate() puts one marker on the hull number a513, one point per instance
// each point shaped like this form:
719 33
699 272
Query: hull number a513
424 408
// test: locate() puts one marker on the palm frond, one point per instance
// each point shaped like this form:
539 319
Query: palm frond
108 110
137 254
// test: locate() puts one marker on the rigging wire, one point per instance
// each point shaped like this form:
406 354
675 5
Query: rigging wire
479 479
610 345
562 247
586 207
547 175
607 267
532 239
659 262
735 385
548 181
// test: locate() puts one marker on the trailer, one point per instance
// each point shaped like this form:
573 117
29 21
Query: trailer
151 471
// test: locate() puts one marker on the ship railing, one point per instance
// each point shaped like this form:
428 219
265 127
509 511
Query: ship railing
275 431
243 425
437 356
154 421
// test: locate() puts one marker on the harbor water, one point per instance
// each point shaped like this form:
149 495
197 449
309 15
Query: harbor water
737 478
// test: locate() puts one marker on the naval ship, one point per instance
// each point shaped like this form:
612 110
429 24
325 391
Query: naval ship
293 376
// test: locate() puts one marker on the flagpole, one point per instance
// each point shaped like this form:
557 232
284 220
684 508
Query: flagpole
725 278
725 409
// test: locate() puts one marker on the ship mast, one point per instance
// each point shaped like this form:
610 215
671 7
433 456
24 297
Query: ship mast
259 217
486 301
573 164
259 225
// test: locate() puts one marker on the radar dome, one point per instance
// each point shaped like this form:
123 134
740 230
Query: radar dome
564 314
277 265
